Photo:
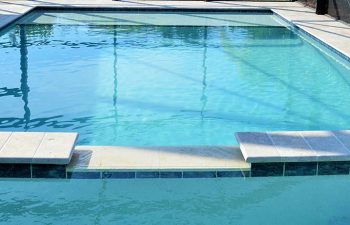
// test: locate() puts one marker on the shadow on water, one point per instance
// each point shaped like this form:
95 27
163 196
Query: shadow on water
15 92
24 75
288 85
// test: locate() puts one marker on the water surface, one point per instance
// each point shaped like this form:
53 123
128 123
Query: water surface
118 81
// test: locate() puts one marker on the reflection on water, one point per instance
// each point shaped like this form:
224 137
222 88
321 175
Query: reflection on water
167 85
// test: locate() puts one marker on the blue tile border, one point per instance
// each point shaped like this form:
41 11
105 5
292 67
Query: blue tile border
48 171
170 174
334 168
147 175
267 169
199 174
118 175
257 170
8 170
300 169
229 174
83 175
246 173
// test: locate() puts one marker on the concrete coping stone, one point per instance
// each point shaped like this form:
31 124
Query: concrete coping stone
37 147
295 146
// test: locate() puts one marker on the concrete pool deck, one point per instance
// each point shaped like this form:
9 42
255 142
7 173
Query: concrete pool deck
334 33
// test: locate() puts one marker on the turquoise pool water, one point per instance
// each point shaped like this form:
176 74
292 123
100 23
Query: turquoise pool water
167 78
320 200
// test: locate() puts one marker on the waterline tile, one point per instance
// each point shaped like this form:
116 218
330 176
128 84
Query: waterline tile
333 168
300 169
267 169
170 174
147 175
199 174
118 175
83 175
48 171
229 174
15 170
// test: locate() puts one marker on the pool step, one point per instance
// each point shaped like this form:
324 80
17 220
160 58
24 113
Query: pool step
37 147
155 161
295 146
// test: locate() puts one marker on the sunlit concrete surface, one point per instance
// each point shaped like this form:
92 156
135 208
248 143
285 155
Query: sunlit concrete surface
118 158
36 147
295 146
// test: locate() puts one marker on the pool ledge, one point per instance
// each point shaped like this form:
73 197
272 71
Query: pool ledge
296 153
37 147
260 154
179 161
295 146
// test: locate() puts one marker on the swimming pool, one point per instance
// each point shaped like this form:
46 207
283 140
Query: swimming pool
167 78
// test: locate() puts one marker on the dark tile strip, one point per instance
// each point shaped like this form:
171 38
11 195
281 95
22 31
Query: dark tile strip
257 170
170 174
118 175
229 174
147 174
246 173
266 169
300 169
15 170
48 171
83 175
152 9
199 174
334 168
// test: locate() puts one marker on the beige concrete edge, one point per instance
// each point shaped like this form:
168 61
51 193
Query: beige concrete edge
16 17
325 42
81 169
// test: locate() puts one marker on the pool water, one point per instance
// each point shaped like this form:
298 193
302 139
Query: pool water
167 78
322 200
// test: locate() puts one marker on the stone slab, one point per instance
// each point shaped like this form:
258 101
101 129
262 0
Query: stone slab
343 136
257 147
184 158
4 136
55 148
326 145
292 146
21 147
295 146
36 147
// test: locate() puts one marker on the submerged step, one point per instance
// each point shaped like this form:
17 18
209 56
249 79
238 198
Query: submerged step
295 146
37 147
170 158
